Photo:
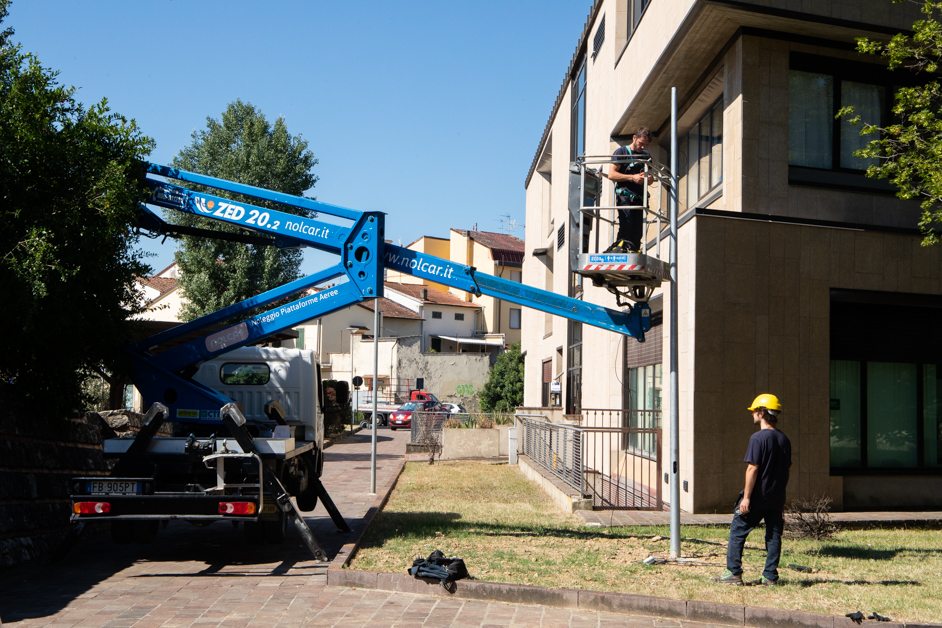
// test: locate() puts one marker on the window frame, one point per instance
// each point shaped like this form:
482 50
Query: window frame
436 314
519 318
840 71
223 375
459 316
714 190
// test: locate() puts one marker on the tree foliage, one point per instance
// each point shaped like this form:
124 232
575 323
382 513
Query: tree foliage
70 183
909 151
503 391
244 147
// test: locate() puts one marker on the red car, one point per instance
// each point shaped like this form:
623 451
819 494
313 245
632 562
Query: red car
403 416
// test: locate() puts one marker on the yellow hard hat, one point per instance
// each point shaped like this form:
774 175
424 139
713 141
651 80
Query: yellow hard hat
767 401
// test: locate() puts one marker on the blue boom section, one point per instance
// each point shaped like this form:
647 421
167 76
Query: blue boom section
363 256
634 323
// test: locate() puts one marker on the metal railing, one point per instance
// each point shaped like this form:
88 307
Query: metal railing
605 458
425 424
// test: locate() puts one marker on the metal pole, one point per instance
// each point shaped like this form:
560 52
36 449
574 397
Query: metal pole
675 393
375 389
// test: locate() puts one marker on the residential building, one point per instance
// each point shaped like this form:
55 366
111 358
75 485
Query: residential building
162 294
798 275
497 254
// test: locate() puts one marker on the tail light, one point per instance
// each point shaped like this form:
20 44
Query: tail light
91 508
236 508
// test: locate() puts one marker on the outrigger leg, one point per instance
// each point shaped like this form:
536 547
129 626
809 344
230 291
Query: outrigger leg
235 423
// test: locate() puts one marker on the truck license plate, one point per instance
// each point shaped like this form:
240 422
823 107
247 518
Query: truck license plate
113 487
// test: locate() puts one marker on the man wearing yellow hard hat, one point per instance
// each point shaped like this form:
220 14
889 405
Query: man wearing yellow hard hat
769 457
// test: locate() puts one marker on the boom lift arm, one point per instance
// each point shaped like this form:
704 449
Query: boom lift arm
363 255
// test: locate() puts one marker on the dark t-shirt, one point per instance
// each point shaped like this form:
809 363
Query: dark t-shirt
771 451
629 167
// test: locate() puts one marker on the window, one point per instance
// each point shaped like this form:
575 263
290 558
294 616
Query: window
574 370
885 390
459 316
644 406
547 378
577 124
436 314
252 374
516 275
599 38
704 148
817 88
636 9
514 318
885 415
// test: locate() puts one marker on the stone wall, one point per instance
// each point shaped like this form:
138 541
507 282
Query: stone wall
38 456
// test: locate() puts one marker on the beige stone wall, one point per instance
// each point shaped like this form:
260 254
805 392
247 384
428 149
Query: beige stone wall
762 308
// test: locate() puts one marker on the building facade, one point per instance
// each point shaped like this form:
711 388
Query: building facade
798 275
497 254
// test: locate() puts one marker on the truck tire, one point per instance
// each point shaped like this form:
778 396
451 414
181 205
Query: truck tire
121 532
307 501
254 533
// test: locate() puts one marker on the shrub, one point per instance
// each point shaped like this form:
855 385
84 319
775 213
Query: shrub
484 423
810 519
454 424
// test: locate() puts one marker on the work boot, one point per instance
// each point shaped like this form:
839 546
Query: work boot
729 577
768 583
620 247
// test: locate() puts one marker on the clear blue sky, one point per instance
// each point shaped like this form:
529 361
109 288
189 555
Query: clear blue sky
430 111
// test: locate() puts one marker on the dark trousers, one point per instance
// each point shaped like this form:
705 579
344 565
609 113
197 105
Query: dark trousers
630 227
741 527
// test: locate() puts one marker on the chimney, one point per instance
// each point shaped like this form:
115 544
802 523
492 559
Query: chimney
423 294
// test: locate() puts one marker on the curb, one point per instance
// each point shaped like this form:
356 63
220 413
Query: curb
606 602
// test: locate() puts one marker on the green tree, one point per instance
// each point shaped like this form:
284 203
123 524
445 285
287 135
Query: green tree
503 391
908 152
245 148
70 185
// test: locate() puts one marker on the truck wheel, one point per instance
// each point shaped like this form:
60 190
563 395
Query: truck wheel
307 501
121 532
254 533
275 530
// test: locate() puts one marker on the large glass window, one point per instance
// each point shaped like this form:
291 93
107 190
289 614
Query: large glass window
879 417
810 119
817 88
704 148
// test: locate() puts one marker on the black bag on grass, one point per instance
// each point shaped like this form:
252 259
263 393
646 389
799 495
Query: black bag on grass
437 566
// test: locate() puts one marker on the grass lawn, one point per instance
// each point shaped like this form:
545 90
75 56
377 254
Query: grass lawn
507 530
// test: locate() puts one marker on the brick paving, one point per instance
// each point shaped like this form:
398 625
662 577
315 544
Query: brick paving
208 577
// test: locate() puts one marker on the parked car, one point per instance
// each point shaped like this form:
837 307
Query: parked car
454 408
403 416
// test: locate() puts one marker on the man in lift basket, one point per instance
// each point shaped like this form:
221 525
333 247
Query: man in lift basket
628 177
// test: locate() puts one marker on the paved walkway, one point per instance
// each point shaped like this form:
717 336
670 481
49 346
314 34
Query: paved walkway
208 577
